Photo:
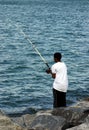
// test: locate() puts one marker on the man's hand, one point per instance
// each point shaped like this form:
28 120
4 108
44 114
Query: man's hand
48 71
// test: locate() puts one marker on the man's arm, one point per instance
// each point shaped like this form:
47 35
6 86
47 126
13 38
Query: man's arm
50 72
53 75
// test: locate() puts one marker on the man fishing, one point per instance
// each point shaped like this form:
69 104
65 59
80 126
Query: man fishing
60 84
58 72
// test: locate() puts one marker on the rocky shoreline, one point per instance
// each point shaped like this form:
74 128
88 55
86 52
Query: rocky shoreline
75 117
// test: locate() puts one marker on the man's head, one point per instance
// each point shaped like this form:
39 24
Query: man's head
57 57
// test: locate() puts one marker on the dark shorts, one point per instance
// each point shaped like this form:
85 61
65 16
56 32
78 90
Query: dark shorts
59 99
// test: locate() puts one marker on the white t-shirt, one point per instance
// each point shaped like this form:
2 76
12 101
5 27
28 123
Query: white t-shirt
61 80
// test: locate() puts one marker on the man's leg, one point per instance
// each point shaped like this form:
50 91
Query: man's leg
59 99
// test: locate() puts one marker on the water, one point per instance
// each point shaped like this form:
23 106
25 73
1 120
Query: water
60 25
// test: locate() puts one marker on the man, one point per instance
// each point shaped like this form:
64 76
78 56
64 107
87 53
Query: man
60 85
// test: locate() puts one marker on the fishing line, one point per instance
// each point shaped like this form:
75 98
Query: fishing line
34 47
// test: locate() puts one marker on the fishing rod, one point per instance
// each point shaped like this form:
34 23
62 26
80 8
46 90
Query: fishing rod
34 47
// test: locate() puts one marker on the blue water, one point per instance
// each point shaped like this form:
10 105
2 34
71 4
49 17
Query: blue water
53 26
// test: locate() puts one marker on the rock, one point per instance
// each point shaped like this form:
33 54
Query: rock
28 119
86 99
84 126
83 104
75 117
47 122
19 121
7 124
25 120
47 112
2 113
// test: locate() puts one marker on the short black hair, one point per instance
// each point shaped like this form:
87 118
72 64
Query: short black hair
58 55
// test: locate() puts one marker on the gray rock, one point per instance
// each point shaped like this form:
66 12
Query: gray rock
72 115
84 126
48 122
28 119
7 124
24 121
84 105
19 121
2 113
87 119
71 118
